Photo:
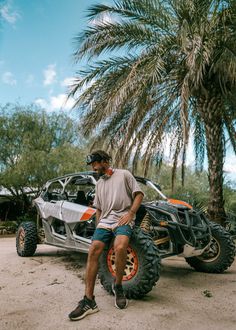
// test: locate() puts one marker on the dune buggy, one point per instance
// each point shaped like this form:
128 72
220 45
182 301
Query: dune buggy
164 227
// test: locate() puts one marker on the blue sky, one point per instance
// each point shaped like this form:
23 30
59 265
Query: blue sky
36 46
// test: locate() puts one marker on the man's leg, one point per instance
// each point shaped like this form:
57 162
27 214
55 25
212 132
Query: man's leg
95 251
121 243
88 305
120 246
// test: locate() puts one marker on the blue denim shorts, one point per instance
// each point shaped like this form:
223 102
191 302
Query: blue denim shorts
106 235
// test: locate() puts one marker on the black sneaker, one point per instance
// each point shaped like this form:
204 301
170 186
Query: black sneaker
85 307
120 300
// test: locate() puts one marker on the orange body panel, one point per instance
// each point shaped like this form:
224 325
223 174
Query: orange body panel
178 202
88 214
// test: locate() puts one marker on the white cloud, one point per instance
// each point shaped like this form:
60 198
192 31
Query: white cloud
49 75
8 15
8 78
42 103
58 102
67 82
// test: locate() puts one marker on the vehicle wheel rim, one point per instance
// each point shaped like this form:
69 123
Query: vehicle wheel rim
21 238
131 263
212 252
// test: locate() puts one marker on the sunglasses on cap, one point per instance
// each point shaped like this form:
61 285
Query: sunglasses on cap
93 158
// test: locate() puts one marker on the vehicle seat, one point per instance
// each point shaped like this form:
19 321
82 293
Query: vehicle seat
80 198
47 196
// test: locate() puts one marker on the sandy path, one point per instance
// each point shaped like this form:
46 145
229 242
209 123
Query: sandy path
38 293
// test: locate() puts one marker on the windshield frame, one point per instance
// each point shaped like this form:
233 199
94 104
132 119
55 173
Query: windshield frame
151 184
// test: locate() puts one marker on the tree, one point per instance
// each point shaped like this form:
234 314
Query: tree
35 147
166 68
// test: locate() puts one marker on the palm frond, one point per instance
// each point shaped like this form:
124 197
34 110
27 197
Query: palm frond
103 37
142 12
177 77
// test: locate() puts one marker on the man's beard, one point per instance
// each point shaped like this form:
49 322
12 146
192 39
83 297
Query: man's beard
101 172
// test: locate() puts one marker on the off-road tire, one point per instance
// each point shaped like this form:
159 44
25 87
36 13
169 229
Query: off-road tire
146 266
26 239
224 254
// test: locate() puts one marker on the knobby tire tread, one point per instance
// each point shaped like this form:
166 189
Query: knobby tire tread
226 257
148 270
31 239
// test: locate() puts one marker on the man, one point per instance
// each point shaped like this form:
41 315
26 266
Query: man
117 200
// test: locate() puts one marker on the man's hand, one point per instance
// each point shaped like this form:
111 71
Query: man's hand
126 219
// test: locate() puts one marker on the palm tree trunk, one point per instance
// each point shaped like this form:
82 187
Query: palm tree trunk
211 114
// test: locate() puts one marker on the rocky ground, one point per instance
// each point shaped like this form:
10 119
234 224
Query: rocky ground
38 292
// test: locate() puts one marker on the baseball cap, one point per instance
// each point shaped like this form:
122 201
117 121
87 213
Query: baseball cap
93 158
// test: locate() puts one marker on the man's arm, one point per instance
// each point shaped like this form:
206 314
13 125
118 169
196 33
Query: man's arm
98 215
128 217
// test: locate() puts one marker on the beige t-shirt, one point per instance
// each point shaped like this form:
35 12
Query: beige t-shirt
114 197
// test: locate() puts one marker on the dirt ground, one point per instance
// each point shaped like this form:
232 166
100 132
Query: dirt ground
38 293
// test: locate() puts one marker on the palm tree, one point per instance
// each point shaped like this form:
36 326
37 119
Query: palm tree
161 70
